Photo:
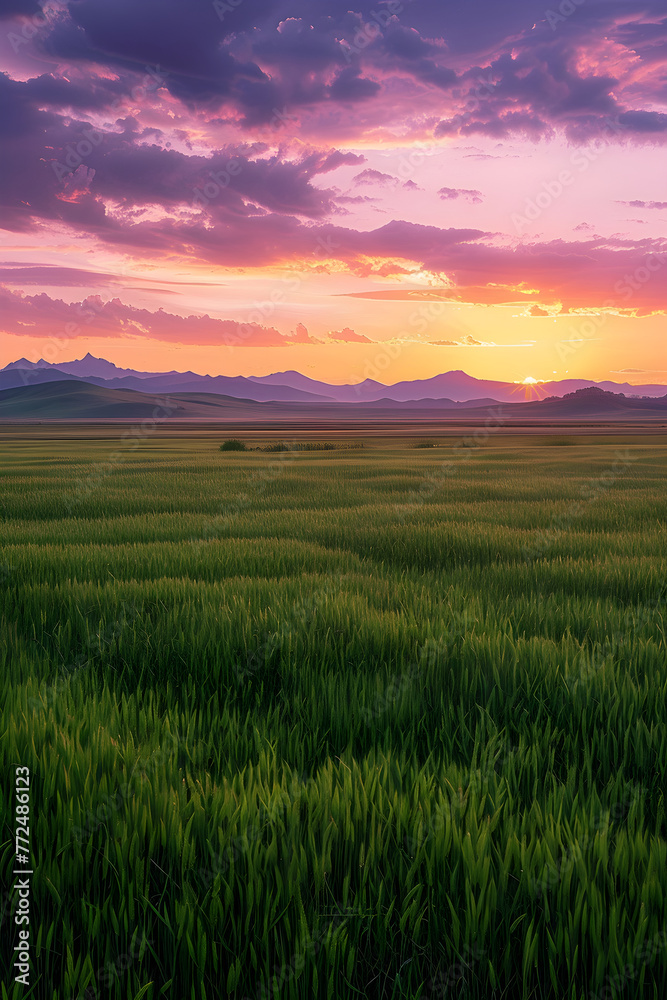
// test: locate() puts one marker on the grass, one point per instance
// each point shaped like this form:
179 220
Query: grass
386 725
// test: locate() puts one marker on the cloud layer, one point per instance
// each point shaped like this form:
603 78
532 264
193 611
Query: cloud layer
250 138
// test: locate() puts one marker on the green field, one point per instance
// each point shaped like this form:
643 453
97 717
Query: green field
385 722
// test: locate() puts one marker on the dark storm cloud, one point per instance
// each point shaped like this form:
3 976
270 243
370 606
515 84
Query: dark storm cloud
530 93
215 52
63 169
262 55
404 49
183 41
263 240
349 86
19 8
644 121
148 174
518 74
298 44
59 93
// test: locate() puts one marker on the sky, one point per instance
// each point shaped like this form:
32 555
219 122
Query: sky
386 189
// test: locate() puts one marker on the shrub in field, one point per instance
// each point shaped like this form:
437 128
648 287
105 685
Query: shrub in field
300 446
233 445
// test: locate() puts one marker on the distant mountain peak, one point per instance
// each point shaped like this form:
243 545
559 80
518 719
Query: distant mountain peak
292 385
24 363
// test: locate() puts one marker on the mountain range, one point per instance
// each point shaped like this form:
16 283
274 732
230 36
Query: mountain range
71 399
292 386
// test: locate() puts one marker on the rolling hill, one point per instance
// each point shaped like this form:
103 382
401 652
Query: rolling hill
73 399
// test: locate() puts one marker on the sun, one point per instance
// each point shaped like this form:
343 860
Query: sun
531 387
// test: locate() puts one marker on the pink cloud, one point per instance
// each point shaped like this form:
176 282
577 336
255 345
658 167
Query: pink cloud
46 318
451 194
301 336
370 176
349 336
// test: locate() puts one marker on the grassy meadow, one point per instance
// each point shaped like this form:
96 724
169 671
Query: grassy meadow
382 722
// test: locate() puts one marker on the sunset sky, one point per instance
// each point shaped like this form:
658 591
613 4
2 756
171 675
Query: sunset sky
389 191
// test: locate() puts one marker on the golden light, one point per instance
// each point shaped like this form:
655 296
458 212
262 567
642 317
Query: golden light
531 388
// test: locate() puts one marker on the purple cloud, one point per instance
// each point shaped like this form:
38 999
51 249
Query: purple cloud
370 176
451 194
